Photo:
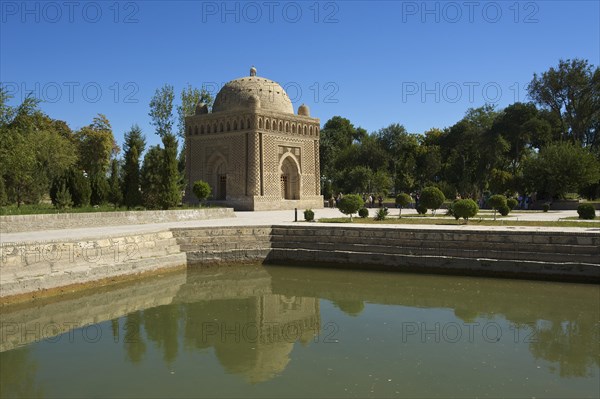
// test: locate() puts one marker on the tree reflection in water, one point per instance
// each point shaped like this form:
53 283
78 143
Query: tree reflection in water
252 316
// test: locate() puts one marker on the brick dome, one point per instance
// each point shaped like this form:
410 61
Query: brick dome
242 94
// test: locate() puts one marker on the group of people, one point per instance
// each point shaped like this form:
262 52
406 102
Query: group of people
368 200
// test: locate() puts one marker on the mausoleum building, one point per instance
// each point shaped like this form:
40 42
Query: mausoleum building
253 150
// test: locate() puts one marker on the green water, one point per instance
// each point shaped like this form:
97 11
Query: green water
257 331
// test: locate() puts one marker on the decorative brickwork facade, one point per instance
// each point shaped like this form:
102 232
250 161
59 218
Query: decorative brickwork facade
255 153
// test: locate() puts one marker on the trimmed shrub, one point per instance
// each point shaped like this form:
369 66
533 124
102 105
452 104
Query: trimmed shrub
546 207
201 190
586 211
421 209
403 200
512 203
382 214
496 202
363 213
464 208
504 210
350 204
432 198
309 215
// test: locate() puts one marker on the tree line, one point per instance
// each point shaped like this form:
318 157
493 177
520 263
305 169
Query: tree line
549 146
43 158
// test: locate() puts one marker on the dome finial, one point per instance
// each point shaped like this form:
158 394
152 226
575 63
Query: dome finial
253 71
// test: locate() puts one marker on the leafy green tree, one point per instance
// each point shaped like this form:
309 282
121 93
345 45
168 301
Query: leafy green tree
428 163
571 92
3 196
359 179
34 149
432 198
190 98
350 204
402 151
201 190
382 182
161 110
522 126
336 136
402 200
96 146
115 195
134 145
561 168
151 178
497 202
470 151
464 208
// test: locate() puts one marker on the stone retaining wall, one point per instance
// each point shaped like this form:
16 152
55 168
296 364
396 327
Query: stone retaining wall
573 256
527 254
35 267
227 244
22 223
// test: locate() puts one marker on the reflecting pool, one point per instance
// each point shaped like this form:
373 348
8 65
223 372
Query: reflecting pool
279 331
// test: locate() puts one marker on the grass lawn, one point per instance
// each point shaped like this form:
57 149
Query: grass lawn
39 209
452 222
597 220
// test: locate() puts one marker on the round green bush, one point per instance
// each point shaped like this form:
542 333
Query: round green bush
464 208
497 201
546 207
586 211
504 210
363 213
432 198
421 209
350 204
201 190
309 215
512 203
403 200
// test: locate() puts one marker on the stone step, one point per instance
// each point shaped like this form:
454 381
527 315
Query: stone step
221 239
437 251
510 268
480 236
469 245
227 232
234 255
225 246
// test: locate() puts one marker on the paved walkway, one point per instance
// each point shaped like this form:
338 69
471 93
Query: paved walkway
276 217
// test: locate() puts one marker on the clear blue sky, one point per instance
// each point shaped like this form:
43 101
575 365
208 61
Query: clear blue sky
421 64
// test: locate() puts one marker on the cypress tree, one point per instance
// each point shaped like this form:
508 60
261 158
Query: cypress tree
114 190
134 145
171 190
151 177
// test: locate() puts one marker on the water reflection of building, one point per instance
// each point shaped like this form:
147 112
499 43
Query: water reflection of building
251 330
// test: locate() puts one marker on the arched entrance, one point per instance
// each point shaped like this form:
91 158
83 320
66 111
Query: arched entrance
221 181
217 176
290 179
